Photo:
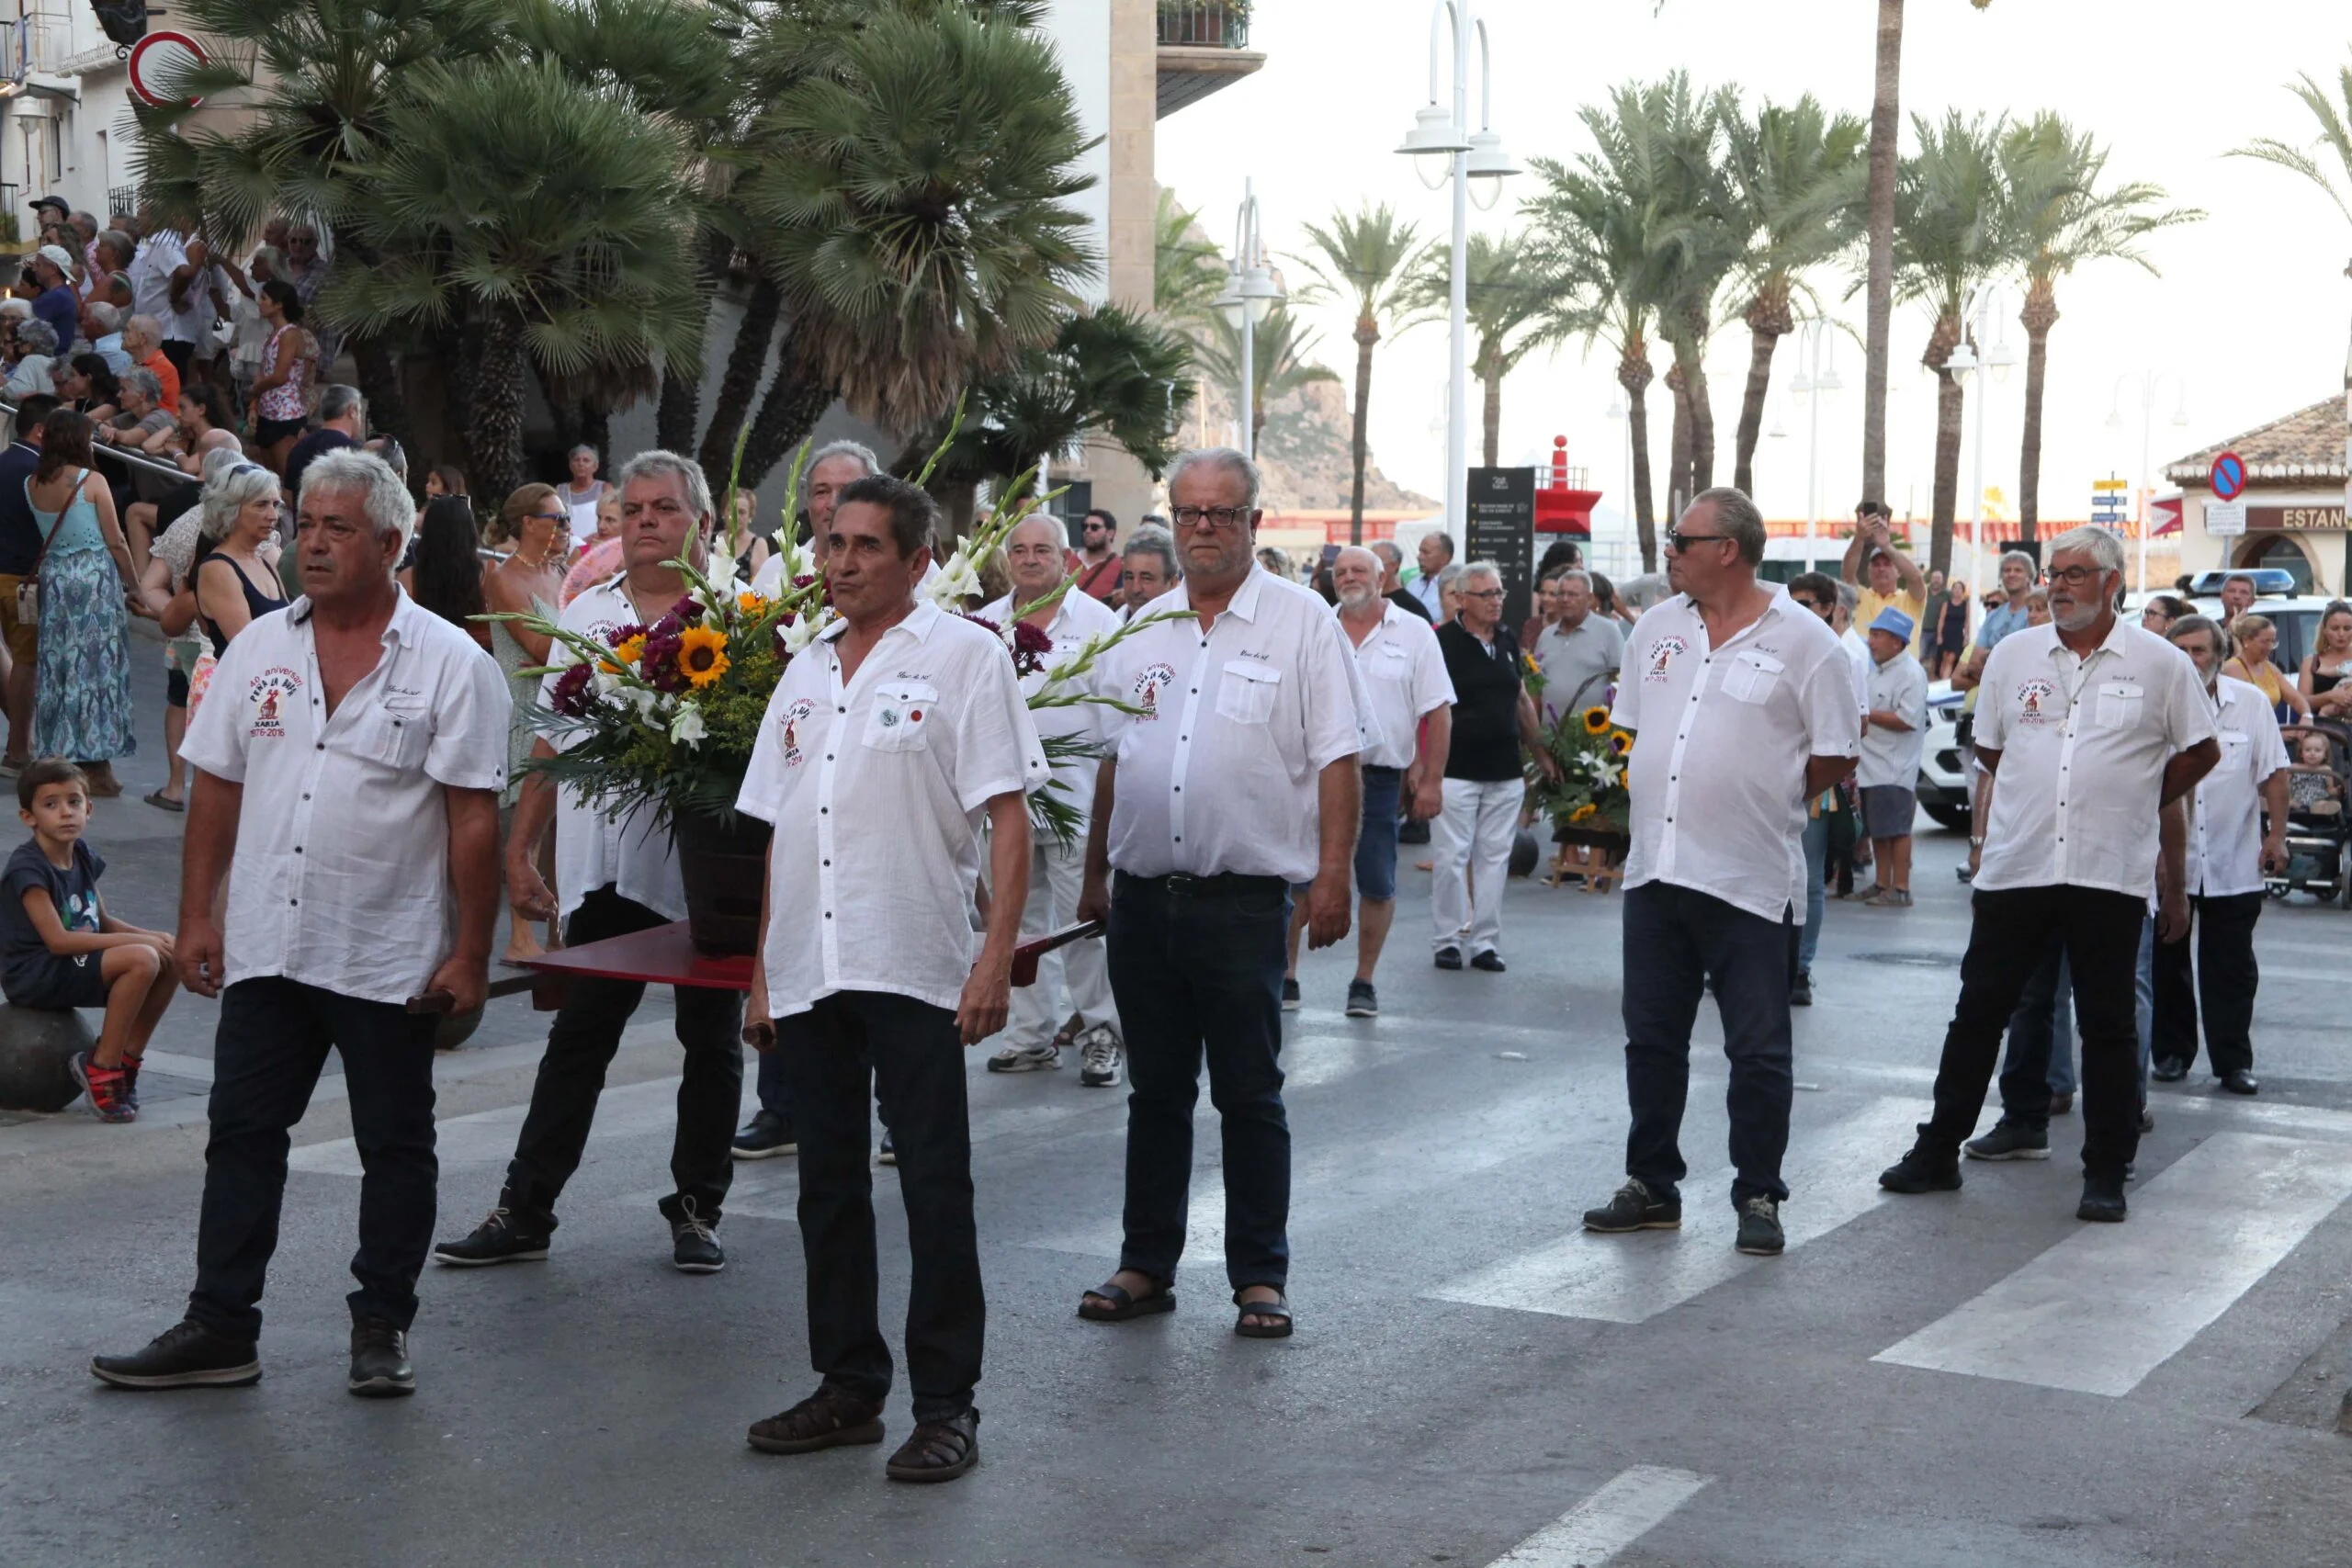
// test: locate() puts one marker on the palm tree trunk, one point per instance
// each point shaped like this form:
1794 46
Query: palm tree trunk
379 383
1886 126
1678 460
795 400
1949 399
494 433
1491 379
746 360
1367 334
1634 374
2041 313
1702 427
678 411
1767 320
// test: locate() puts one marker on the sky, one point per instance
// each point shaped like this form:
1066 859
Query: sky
2247 321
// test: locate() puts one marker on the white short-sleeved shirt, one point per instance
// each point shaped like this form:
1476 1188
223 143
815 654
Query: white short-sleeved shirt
1405 679
2225 809
2083 743
1857 654
632 854
1723 735
341 875
1218 774
876 789
1078 617
1899 686
159 256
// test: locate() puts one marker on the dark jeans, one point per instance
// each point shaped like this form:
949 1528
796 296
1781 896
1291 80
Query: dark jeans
273 1038
774 1090
838 1056
572 1075
2012 937
1843 831
2226 973
2033 1042
1200 973
1675 938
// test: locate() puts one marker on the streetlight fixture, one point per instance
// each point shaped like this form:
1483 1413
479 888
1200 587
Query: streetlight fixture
1252 293
1442 146
1816 378
2151 382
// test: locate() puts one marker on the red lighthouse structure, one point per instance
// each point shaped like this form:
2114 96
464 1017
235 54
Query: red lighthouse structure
1562 504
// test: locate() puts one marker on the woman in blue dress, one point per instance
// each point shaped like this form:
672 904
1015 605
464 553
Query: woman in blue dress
82 685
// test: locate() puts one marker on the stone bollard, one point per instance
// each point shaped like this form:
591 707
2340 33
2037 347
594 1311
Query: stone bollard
36 1044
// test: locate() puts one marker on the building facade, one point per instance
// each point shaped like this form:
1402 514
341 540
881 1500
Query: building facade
2294 502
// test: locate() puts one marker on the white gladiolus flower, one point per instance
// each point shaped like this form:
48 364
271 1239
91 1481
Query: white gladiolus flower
956 582
686 728
802 632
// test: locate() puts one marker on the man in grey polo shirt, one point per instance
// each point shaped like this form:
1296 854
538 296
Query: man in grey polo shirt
1579 650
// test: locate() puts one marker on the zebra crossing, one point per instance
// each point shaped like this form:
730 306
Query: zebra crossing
2095 1311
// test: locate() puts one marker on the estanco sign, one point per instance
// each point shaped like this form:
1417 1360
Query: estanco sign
2294 519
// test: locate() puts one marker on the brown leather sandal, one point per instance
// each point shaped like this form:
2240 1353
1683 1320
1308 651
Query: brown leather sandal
828 1419
938 1451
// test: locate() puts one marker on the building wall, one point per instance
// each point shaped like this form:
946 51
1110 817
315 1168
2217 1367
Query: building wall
2325 549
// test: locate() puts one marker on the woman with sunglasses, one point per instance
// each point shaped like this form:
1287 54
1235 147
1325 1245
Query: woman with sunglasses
537 526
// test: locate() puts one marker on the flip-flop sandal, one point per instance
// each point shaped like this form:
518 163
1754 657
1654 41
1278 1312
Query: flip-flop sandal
1124 1306
1278 1308
166 802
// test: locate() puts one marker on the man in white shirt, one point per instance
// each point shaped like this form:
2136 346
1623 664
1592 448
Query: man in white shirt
167 282
1149 568
1033 555
616 878
2089 725
1579 650
1404 758
2227 851
347 775
1829 816
888 742
1432 555
1893 736
835 466
1743 709
1235 781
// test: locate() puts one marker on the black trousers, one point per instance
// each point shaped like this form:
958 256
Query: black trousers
273 1039
839 1054
1674 938
2221 989
2009 940
580 1044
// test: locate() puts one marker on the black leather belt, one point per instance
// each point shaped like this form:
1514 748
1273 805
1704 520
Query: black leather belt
1224 884
1384 773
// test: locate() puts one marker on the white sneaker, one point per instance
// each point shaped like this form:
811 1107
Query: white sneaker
1025 1059
1100 1056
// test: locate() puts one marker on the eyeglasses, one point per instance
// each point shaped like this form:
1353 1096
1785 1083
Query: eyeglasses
2076 576
1481 593
1221 517
1677 540
550 517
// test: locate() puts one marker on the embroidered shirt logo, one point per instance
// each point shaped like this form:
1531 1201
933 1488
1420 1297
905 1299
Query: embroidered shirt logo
2034 696
795 715
270 691
1661 656
1149 685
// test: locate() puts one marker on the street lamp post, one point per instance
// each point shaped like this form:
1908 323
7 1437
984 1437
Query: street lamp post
1251 291
2151 381
1816 378
1442 144
1963 362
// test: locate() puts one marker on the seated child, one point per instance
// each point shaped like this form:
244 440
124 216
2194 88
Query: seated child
59 948
2313 791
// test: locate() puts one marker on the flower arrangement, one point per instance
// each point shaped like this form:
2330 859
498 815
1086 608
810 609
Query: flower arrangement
1588 793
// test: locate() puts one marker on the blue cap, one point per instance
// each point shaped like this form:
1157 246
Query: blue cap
1893 620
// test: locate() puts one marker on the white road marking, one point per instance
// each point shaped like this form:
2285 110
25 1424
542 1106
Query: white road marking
196 1069
2104 1308
1633 1503
1832 1176
487 1137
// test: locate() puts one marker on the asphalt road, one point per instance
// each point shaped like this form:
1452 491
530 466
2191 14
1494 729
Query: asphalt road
1967 1378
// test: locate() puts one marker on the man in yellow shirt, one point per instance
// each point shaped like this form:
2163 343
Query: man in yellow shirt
1884 576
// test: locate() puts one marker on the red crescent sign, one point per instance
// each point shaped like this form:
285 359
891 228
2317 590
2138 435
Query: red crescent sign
157 57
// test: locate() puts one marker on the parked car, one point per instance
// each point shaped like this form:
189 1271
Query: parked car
1943 770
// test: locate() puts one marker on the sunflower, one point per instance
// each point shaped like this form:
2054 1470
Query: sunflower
1596 719
1583 813
751 605
630 649
1620 742
702 654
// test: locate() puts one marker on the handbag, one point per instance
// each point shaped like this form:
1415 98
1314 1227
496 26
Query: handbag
28 590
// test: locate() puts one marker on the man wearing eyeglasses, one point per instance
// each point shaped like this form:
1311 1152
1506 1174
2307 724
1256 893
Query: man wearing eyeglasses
1493 717
1100 567
2089 725
1234 780
1743 706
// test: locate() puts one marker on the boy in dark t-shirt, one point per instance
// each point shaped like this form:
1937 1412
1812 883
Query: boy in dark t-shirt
59 948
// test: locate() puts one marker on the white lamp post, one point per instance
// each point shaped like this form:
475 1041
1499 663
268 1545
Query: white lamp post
1963 362
2151 381
1442 147
1816 379
1251 291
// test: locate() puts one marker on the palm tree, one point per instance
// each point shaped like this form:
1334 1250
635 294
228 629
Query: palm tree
1954 231
536 214
1188 271
1366 258
2064 220
1278 362
2336 138
1886 128
1795 175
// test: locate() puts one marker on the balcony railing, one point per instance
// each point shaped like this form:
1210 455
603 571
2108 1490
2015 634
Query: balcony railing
1205 24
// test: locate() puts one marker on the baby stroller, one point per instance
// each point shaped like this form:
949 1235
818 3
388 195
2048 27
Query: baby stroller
2319 837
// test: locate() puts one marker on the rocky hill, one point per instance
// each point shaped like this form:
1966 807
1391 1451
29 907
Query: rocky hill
1304 451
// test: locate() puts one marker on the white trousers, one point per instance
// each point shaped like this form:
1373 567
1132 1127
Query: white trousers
1056 876
1471 841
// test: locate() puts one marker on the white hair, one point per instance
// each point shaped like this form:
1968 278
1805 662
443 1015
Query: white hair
1058 523
1347 550
383 499
658 464
2018 558
1479 569
2096 542
856 449
1225 457
228 487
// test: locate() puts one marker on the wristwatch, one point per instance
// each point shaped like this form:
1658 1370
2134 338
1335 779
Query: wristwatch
1975 844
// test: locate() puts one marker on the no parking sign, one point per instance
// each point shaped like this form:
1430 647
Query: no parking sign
2229 477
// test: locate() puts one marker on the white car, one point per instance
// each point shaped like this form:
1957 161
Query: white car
1943 769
